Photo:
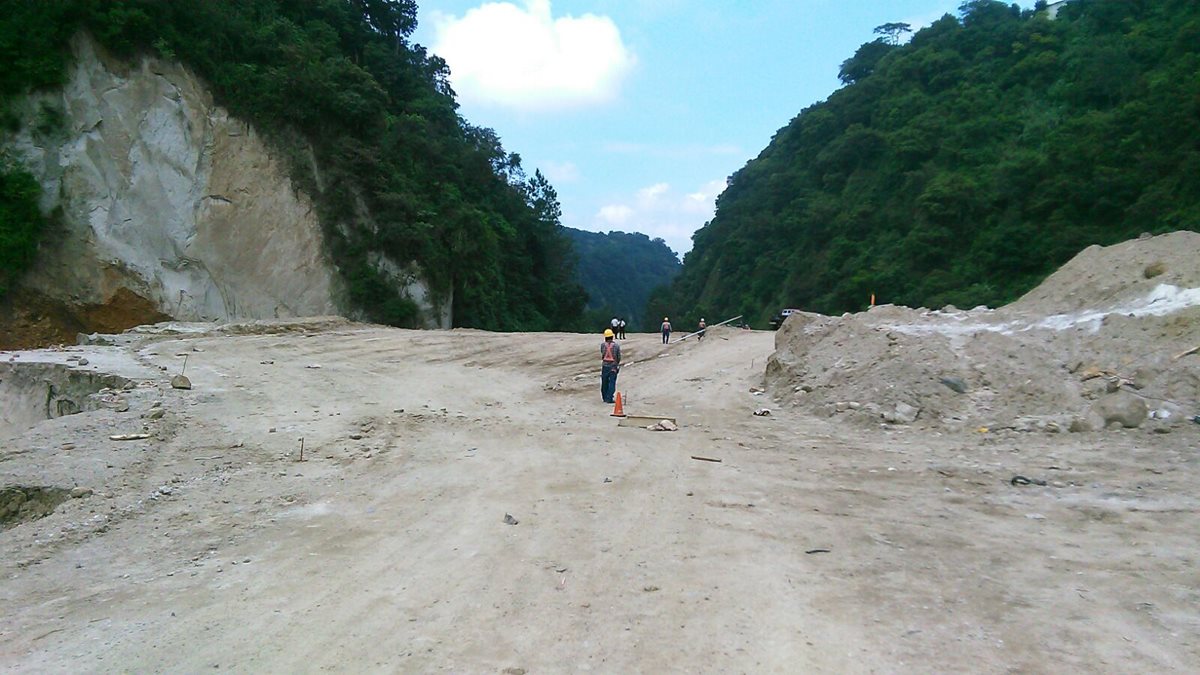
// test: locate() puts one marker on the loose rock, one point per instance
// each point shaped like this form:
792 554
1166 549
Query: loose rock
902 414
955 383
1121 407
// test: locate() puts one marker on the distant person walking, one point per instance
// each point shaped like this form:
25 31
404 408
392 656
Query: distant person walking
700 331
615 324
666 330
610 365
621 330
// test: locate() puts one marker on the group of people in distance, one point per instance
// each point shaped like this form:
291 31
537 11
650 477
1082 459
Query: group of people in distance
610 353
618 327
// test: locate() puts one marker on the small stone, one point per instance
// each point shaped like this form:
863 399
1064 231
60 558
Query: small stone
955 383
80 492
83 362
509 520
902 414
156 414
1154 269
1080 425
181 382
356 437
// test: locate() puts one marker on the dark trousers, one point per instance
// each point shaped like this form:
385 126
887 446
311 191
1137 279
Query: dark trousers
608 382
666 336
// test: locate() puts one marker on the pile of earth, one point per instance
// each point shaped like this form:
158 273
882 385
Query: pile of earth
1106 341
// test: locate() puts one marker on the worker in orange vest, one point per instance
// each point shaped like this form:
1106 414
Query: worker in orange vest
610 365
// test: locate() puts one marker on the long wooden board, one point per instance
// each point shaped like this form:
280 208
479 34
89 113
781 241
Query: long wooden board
643 420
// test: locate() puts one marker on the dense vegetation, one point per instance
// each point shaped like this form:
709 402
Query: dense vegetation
618 271
21 223
963 166
400 171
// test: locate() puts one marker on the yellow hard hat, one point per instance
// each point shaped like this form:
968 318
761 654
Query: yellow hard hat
608 332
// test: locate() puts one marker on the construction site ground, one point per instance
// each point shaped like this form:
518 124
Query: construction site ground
810 546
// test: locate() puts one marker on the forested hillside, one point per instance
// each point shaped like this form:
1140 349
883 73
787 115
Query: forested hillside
964 165
368 123
619 270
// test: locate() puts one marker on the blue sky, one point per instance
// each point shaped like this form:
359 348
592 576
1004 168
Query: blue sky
638 110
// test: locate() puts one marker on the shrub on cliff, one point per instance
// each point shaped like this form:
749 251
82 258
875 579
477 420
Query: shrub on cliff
21 223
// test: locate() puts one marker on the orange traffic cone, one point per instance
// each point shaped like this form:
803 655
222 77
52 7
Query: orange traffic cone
618 410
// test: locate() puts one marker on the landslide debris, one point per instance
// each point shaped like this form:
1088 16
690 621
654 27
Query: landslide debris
1102 342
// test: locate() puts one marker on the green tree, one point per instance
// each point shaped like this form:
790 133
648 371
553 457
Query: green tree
963 165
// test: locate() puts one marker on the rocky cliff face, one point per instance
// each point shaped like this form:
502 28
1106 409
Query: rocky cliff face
168 206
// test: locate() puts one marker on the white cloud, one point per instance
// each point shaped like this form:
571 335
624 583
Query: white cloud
561 172
659 211
524 58
615 214
647 196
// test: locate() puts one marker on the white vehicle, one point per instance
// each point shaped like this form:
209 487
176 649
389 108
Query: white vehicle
777 320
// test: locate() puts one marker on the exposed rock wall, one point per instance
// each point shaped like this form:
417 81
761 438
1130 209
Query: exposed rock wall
165 197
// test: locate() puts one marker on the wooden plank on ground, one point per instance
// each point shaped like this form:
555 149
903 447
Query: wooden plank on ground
643 420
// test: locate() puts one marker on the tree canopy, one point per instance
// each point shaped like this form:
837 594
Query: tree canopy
619 271
401 173
964 165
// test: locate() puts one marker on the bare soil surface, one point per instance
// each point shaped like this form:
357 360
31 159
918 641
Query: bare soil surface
812 546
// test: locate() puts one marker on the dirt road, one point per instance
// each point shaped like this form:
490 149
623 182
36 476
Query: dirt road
810 547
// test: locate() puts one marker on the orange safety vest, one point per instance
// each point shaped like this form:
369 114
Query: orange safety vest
609 357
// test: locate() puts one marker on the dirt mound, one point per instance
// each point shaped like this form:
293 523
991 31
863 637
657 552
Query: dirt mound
1101 276
30 320
1103 333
